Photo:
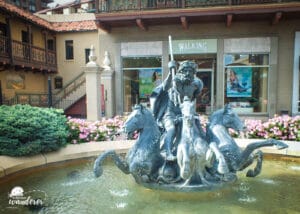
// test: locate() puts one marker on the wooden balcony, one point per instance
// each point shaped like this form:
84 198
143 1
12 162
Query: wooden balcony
26 56
145 13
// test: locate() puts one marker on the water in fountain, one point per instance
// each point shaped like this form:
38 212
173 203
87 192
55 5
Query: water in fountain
74 189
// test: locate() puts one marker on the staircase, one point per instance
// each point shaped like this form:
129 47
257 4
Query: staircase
62 99
70 93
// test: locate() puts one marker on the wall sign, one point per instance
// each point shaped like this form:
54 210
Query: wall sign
194 46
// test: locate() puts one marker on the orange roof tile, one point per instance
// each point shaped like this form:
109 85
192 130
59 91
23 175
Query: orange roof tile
87 25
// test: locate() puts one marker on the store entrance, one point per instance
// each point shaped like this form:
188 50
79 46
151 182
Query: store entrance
206 72
205 101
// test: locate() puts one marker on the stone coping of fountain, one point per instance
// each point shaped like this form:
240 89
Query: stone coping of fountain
12 165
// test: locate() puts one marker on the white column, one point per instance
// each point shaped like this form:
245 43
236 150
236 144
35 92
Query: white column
296 75
93 88
107 77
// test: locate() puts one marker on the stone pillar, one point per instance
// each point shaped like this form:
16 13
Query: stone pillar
107 78
93 88
220 80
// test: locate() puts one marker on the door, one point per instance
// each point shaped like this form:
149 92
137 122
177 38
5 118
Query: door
206 72
205 100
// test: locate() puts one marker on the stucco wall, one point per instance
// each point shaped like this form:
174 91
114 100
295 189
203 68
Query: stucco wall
69 69
16 29
38 37
33 83
283 33
18 26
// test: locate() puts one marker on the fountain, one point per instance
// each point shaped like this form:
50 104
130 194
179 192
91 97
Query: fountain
173 152
73 188
184 168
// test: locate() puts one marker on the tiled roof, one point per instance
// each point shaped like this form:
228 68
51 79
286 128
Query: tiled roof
86 25
25 15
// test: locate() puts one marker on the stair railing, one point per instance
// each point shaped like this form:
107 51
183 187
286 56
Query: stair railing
68 88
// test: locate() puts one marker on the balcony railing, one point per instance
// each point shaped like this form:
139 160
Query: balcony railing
125 5
24 53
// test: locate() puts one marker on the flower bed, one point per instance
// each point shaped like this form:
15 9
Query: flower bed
279 127
82 131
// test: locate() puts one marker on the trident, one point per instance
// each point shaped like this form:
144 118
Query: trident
173 72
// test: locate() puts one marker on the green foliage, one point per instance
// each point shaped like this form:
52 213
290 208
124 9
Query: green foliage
27 130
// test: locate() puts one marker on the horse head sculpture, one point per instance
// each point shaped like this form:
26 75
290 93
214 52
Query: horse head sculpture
230 119
139 118
193 152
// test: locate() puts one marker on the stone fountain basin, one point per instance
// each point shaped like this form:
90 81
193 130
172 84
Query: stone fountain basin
9 166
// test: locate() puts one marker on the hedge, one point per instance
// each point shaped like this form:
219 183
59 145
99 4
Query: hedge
27 130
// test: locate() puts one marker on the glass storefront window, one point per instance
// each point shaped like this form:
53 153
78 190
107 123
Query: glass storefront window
140 76
246 86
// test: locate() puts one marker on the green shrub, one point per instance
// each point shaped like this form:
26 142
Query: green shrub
27 130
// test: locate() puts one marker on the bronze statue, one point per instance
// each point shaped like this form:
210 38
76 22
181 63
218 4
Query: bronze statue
183 84
173 152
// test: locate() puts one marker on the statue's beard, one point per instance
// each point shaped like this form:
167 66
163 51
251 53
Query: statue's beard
186 80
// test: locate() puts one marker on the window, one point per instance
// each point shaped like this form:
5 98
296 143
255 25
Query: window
32 7
58 82
3 40
246 82
50 44
17 2
26 46
87 54
140 76
69 49
3 30
25 36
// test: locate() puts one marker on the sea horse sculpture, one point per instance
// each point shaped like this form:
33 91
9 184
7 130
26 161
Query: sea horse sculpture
236 158
143 159
194 154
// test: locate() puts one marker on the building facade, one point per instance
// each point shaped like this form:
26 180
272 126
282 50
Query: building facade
247 55
52 58
27 56
247 52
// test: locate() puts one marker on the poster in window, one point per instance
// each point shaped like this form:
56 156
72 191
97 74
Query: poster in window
149 78
239 82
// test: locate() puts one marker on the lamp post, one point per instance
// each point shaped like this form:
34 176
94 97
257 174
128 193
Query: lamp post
1 101
49 92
